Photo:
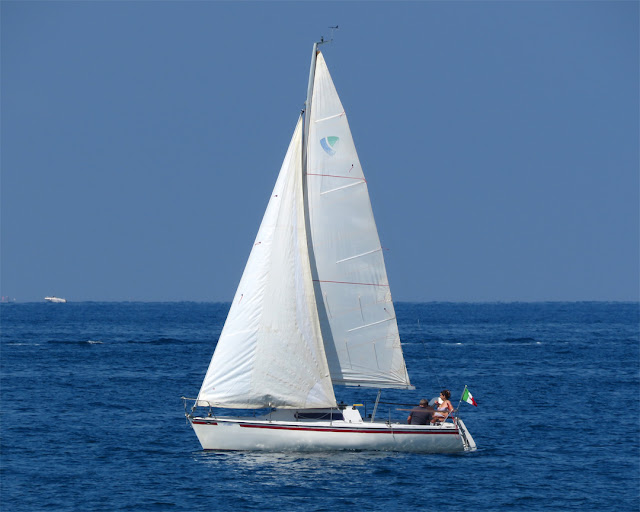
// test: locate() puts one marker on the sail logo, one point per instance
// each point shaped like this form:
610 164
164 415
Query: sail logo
329 144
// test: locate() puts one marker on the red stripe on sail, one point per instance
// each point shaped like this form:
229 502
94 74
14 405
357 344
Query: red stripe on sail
347 282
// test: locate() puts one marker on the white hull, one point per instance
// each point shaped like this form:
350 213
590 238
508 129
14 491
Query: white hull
228 433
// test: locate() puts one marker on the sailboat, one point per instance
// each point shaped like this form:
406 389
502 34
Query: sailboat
55 300
313 310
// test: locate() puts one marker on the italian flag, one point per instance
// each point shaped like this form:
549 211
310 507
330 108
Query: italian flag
466 396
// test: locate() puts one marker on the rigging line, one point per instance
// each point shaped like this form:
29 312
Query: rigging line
433 372
346 282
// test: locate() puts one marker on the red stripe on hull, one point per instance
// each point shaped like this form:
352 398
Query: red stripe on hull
347 430
358 431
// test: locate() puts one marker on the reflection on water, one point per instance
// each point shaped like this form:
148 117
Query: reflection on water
304 468
277 459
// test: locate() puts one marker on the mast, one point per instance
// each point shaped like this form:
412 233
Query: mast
307 104
307 110
320 307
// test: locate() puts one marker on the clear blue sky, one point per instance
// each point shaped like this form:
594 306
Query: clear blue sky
141 140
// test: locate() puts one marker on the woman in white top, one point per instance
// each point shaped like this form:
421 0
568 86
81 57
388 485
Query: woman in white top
444 408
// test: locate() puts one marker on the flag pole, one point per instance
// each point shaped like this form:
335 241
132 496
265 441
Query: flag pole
460 402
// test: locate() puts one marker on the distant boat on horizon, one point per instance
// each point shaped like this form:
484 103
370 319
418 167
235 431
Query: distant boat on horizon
57 300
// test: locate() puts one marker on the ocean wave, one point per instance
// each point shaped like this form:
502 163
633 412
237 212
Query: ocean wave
74 342
159 341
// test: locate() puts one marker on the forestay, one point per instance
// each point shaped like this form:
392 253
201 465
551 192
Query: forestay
352 291
270 351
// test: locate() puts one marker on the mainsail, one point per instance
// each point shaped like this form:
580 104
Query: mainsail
270 351
352 291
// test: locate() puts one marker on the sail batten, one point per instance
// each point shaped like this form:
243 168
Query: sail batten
359 255
330 117
342 188
393 319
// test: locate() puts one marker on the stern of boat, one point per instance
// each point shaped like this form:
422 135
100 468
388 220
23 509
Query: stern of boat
467 440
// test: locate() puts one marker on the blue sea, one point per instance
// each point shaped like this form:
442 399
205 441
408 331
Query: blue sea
92 418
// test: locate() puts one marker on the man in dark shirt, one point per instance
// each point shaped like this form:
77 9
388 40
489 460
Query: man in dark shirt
420 415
